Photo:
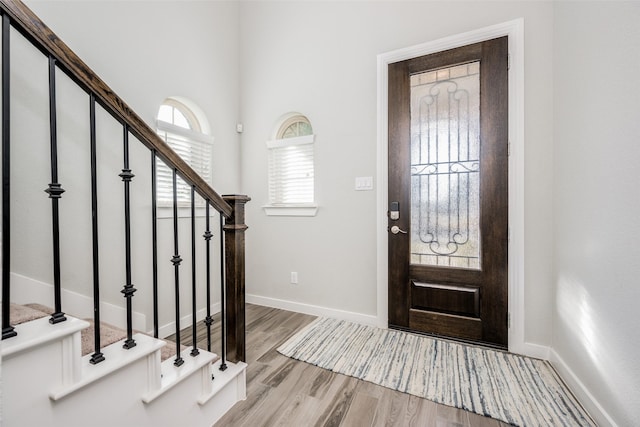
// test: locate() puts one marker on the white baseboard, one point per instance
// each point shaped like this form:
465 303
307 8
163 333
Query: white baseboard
536 351
185 321
313 310
25 290
582 393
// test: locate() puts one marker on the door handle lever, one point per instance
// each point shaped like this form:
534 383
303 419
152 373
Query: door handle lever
395 230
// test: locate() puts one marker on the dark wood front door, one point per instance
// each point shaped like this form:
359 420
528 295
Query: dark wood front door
448 193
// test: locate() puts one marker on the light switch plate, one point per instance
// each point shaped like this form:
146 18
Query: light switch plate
364 183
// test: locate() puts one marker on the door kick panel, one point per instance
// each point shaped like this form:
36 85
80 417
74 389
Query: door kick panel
446 298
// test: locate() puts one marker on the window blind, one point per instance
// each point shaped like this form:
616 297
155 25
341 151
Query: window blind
291 170
194 148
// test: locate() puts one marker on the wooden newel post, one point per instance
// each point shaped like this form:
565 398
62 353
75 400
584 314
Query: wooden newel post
234 229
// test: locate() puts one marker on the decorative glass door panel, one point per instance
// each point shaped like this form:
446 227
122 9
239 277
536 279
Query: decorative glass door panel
445 167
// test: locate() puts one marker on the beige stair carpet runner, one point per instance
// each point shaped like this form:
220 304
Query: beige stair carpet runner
109 334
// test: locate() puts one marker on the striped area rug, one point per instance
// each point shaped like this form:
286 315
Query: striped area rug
518 390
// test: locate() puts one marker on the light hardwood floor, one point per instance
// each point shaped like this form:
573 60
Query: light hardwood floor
285 392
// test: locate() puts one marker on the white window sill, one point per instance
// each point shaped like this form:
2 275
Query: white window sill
291 210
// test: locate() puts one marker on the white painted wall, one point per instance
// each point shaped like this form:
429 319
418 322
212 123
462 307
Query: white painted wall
149 50
146 51
319 58
597 202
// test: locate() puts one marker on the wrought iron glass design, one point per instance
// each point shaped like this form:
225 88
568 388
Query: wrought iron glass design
445 167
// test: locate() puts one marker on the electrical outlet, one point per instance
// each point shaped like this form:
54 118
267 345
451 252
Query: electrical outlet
294 277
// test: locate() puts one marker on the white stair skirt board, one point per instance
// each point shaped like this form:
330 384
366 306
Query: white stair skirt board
172 375
47 382
232 378
116 357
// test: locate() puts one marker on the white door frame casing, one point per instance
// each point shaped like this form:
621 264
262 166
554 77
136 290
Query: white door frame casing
515 31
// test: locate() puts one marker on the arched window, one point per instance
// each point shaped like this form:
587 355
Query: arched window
176 113
181 128
294 126
291 168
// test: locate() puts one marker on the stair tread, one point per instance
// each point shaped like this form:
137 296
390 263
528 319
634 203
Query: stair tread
39 332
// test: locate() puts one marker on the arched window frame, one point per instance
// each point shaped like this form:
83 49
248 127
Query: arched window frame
194 146
291 168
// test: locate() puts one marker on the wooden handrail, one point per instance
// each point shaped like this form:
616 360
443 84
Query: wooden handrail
30 26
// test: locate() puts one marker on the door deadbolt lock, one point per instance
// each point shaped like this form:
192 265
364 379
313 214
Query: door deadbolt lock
394 211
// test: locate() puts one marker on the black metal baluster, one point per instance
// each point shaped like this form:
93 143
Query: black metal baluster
154 232
207 237
97 356
223 364
176 260
128 289
7 330
55 191
194 351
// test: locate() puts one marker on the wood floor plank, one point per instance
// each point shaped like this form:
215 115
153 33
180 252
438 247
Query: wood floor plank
280 374
361 411
273 320
256 349
392 408
292 410
340 403
447 416
302 414
271 367
371 389
297 406
477 420
275 339
256 370
420 412
285 392
244 410
320 383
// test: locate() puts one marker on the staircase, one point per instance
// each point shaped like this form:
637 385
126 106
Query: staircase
60 370
47 382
